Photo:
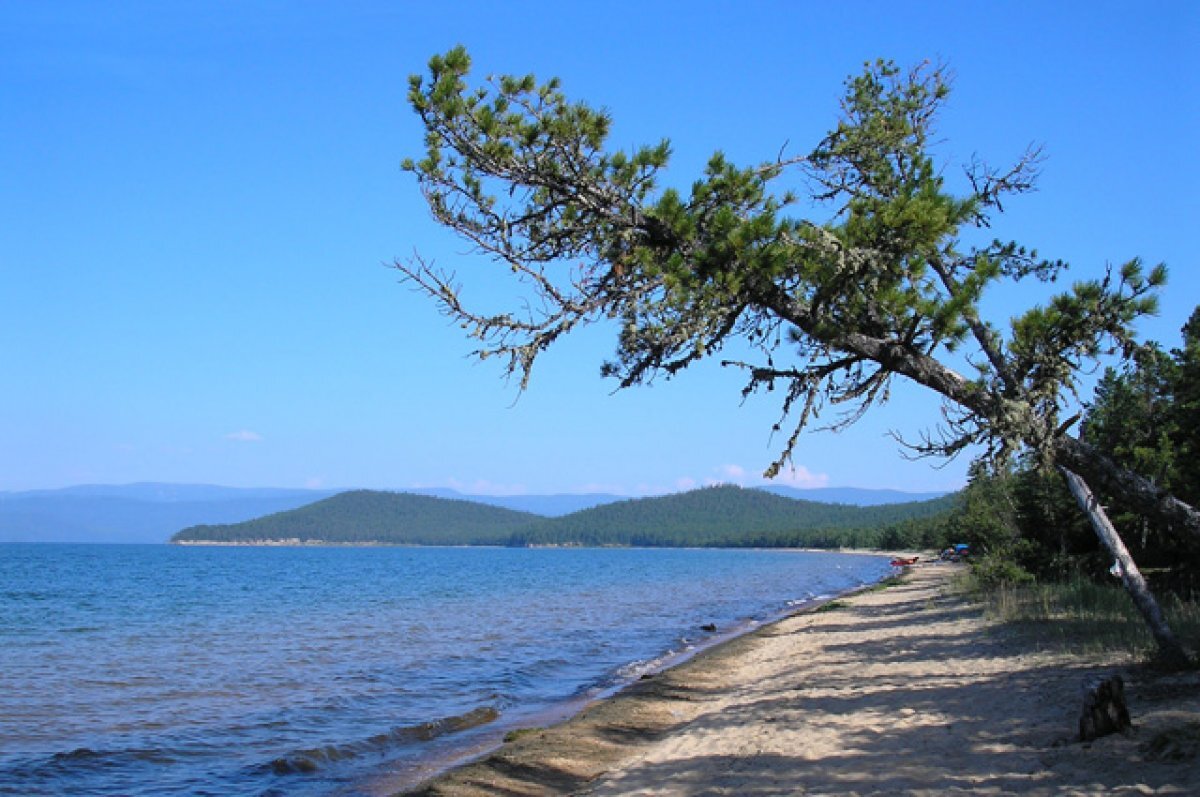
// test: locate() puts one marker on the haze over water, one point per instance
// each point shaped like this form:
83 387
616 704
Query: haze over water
167 670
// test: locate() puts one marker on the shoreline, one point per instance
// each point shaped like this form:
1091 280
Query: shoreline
415 776
296 542
904 690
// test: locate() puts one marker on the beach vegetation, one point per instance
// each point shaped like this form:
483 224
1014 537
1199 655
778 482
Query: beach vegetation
1024 526
1083 616
995 570
887 282
1142 414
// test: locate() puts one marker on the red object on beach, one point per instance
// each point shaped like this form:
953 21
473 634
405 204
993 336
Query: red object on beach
898 562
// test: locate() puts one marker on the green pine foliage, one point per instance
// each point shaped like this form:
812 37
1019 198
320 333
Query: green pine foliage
1186 410
1145 417
887 281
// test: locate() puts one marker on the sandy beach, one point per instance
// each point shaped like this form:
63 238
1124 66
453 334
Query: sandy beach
904 690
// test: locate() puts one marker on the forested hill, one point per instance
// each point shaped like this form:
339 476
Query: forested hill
714 516
366 516
728 516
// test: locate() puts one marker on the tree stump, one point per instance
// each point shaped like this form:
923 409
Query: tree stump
1104 709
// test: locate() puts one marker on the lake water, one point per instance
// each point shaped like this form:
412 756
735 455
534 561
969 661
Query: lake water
164 670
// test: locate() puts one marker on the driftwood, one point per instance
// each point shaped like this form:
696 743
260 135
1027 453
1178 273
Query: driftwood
1104 709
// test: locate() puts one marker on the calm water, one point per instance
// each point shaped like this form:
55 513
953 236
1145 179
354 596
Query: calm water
162 670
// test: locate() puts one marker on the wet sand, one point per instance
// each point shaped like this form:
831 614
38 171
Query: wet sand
905 690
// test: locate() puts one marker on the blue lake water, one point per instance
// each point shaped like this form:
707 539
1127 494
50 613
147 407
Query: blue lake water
164 670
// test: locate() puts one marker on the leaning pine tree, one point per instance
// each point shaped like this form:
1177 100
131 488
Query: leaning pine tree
835 309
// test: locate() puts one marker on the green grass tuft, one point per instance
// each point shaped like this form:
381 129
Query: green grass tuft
887 583
1081 616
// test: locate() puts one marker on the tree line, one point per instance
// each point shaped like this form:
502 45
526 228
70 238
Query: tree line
1145 415
726 516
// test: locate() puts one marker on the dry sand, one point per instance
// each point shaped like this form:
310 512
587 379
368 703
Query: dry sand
906 690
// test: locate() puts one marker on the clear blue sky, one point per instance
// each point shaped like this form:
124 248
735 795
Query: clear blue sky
198 201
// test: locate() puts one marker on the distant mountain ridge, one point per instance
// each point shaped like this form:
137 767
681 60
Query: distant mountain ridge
135 513
150 512
568 503
367 516
851 496
547 505
163 492
714 516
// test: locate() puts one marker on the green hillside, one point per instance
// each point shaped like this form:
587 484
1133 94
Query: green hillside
366 516
715 516
730 517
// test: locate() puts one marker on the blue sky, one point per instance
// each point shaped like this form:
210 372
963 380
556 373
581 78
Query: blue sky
198 203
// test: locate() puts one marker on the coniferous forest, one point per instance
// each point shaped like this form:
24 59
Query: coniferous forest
722 516
1145 416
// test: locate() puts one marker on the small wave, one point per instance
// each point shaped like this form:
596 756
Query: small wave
809 598
81 760
636 669
317 758
84 756
78 754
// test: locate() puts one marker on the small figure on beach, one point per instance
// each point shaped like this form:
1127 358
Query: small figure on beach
956 553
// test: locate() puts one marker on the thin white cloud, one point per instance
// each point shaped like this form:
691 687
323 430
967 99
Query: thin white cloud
723 475
486 487
685 483
801 477
731 474
244 436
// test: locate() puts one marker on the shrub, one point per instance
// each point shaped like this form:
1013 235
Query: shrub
997 570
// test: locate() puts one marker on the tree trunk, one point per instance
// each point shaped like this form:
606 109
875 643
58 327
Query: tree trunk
1169 648
1135 491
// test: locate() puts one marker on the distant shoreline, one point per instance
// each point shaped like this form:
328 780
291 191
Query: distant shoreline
719 516
298 543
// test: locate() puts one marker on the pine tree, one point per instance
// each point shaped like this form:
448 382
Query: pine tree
836 309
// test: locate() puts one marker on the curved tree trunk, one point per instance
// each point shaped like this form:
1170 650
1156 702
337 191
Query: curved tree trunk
1137 492
1169 648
